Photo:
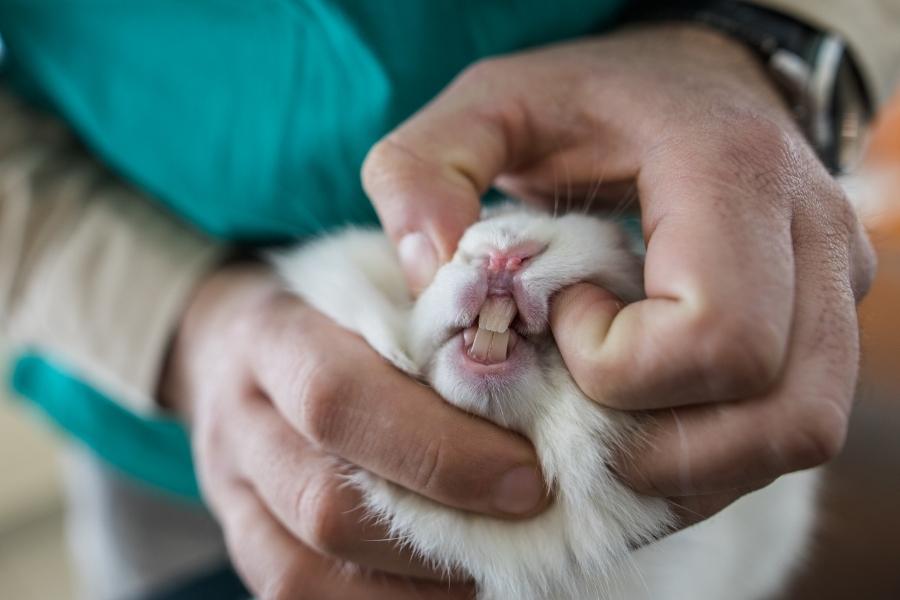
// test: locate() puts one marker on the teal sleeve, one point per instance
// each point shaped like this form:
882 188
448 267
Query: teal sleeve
251 119
248 118
213 107
153 450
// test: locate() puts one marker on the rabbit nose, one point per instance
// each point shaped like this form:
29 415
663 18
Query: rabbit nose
501 261
511 259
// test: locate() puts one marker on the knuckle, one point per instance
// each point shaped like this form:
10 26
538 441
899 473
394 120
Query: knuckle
283 580
818 437
444 472
481 72
378 163
739 358
291 582
209 436
214 440
610 395
847 229
830 230
320 390
320 509
604 383
840 220
428 472
394 168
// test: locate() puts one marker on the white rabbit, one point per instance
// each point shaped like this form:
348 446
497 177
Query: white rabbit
598 539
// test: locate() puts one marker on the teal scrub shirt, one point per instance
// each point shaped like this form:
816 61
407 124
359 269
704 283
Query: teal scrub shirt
248 119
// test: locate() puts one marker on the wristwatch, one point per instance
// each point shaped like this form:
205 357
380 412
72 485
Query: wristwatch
815 70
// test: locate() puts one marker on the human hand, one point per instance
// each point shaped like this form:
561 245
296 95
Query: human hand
746 347
281 401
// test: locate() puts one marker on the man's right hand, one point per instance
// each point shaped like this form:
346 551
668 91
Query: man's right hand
281 401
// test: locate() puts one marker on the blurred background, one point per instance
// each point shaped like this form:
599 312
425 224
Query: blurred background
33 560
856 552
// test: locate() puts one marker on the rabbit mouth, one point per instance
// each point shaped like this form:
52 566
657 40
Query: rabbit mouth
492 339
487 347
492 345
512 358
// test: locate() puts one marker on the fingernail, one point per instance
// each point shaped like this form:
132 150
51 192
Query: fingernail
520 491
419 259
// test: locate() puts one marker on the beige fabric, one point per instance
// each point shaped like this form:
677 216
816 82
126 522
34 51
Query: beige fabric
91 273
871 28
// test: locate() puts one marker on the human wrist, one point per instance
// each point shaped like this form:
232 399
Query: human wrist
707 93
816 69
217 316
716 54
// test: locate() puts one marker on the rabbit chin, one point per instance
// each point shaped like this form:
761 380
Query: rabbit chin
509 393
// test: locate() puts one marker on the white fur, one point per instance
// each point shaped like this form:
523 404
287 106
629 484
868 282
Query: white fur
581 547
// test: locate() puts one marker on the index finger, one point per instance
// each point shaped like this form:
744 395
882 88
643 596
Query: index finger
426 178
350 402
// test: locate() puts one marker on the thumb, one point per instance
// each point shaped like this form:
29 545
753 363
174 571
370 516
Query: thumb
580 318
423 204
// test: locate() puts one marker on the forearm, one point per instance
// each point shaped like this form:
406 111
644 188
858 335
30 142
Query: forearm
91 273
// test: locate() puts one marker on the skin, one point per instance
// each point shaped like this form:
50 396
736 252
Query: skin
280 400
745 349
